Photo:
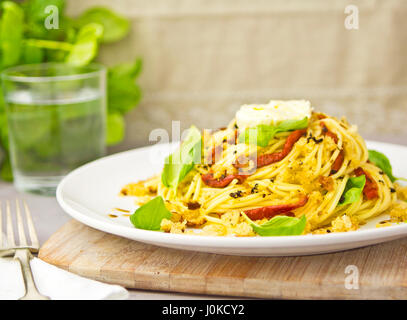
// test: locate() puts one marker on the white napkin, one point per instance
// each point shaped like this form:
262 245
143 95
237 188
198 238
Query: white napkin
54 282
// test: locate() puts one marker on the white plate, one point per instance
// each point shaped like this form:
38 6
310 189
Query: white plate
90 192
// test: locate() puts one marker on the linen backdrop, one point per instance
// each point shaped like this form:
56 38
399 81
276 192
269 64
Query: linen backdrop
204 58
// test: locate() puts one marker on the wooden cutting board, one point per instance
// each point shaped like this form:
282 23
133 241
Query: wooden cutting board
88 252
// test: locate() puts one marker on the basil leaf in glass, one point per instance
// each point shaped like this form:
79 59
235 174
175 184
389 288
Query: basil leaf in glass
178 164
279 226
353 190
263 133
150 215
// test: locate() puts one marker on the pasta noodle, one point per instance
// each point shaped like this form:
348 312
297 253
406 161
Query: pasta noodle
319 165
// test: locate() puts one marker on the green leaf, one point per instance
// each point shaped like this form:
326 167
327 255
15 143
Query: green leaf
32 54
115 26
279 226
150 215
380 160
263 133
115 128
6 173
178 164
86 45
353 190
126 70
290 125
11 36
123 93
3 130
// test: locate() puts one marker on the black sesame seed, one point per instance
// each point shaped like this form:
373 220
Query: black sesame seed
255 188
236 194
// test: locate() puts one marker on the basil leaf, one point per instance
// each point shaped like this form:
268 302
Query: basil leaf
263 133
12 24
115 26
380 160
115 127
290 125
5 172
86 45
280 226
32 54
178 164
122 91
353 190
126 70
150 215
3 130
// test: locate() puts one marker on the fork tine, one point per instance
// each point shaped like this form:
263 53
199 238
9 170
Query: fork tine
31 228
20 226
10 232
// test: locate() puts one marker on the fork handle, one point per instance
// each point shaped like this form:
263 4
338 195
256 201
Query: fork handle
31 292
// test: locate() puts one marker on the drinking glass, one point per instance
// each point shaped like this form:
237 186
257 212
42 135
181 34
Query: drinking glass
56 116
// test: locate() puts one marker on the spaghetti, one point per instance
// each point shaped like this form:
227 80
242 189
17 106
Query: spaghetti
299 172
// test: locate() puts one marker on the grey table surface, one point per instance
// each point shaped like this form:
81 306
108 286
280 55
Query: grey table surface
49 217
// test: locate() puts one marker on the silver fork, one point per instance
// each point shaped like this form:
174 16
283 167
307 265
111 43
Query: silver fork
22 252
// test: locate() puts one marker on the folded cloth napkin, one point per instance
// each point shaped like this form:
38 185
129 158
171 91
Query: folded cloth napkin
54 282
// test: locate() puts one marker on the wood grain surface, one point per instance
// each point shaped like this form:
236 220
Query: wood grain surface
91 253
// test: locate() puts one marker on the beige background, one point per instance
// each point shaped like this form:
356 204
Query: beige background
204 58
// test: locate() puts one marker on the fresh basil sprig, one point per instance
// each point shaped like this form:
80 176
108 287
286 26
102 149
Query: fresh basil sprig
178 164
380 160
279 226
263 133
24 38
353 190
150 215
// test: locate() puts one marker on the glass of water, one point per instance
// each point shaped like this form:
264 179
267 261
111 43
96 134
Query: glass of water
56 121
